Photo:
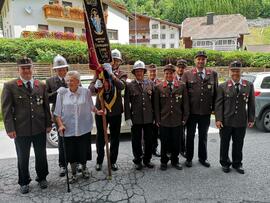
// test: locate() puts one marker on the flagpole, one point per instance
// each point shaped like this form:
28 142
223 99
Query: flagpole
95 65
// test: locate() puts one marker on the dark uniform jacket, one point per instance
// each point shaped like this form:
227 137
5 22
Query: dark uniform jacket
139 102
26 113
202 93
171 108
52 85
119 83
233 109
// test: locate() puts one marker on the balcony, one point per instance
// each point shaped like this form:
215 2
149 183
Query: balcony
56 13
139 40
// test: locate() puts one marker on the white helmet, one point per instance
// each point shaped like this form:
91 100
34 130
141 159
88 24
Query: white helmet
59 62
138 65
116 54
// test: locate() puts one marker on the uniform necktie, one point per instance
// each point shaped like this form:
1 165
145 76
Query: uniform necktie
29 87
170 86
201 75
141 84
64 82
237 87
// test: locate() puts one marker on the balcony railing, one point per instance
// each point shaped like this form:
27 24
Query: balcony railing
139 40
60 12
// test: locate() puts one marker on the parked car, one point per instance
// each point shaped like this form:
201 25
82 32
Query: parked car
52 137
261 81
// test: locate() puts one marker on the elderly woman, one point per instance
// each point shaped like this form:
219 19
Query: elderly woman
74 118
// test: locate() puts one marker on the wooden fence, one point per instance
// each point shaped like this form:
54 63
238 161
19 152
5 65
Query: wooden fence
43 71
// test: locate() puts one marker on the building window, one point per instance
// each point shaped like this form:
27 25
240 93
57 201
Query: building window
155 36
225 42
42 27
163 46
163 27
113 34
202 43
69 29
163 36
66 3
155 26
154 45
143 36
172 36
172 45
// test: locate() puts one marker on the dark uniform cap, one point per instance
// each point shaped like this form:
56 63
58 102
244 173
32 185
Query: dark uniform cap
169 67
181 63
235 65
152 67
201 53
24 62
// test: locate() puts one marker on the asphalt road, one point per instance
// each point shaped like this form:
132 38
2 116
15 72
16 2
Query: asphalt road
196 184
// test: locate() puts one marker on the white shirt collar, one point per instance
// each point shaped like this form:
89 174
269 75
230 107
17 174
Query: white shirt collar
142 81
60 78
240 82
78 92
203 71
25 81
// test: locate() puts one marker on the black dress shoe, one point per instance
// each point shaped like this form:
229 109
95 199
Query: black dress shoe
177 166
240 170
138 166
43 184
149 165
205 163
62 172
188 164
163 167
156 153
226 169
98 167
24 189
114 167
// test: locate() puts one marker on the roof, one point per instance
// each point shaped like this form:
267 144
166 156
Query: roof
224 26
120 7
157 19
258 48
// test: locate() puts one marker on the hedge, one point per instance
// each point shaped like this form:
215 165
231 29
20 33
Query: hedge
43 50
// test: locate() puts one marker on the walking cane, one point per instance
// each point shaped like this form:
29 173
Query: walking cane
66 165
104 123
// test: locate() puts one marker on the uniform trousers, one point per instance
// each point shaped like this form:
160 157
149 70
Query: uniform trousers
115 126
203 122
23 145
237 135
139 132
170 143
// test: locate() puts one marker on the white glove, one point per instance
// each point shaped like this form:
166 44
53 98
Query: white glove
98 84
108 68
129 122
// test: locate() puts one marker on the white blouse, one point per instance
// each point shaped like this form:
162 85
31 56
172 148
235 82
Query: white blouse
75 110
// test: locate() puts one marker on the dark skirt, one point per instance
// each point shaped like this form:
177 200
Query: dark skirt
78 149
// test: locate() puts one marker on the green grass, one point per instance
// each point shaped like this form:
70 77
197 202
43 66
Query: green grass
258 36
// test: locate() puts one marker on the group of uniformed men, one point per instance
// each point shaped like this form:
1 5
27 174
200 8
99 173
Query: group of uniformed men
153 108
